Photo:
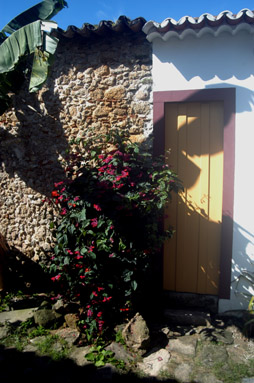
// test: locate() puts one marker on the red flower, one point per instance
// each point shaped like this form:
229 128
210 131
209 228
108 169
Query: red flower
99 314
101 169
58 184
118 153
64 211
106 299
94 222
97 207
110 172
108 159
82 276
125 173
56 278
89 313
100 323
55 193
90 249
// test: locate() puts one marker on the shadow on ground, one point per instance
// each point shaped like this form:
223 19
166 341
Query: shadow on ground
29 367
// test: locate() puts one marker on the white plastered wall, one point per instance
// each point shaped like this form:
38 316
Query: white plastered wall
219 62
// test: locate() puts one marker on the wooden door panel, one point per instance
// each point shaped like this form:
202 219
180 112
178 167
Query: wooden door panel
194 133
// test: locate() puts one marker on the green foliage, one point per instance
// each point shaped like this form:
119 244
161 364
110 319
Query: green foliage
53 346
24 327
110 228
251 305
44 10
20 334
6 299
22 36
233 372
99 356
39 331
119 338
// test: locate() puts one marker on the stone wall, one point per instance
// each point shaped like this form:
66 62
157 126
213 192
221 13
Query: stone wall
96 83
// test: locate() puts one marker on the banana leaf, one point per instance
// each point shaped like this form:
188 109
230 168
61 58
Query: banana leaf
44 10
41 62
28 35
22 42
29 39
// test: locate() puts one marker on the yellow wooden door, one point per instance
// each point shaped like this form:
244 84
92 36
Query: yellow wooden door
194 135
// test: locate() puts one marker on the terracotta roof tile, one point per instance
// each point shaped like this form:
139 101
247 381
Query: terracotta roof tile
206 23
104 28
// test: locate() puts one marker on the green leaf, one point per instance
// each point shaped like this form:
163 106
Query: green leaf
23 41
90 356
41 62
100 363
44 10
71 229
28 35
83 251
134 285
66 261
82 215
92 255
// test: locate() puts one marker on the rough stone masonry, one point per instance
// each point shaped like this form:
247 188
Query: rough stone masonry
95 83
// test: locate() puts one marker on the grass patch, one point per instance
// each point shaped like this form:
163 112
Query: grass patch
54 347
233 372
19 336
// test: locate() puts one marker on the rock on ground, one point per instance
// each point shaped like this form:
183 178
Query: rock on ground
78 356
17 315
183 373
184 345
155 363
136 333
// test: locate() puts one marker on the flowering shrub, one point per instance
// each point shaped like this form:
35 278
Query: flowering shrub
110 227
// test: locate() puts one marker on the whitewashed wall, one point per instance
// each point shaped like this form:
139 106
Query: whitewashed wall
219 62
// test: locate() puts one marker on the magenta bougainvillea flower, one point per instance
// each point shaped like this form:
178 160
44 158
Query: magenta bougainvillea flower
109 227
94 222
